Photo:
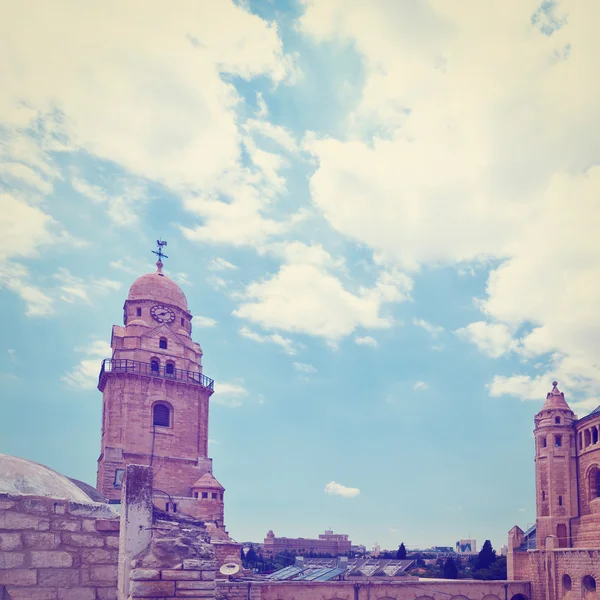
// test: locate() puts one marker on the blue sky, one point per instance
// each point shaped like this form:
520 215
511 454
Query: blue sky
384 216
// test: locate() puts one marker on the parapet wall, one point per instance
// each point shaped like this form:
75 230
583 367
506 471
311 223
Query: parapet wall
55 549
374 590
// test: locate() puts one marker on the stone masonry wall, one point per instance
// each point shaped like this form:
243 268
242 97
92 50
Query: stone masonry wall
57 550
373 590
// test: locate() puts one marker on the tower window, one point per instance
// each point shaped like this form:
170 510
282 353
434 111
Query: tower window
162 343
161 415
595 435
543 442
214 496
220 496
557 420
138 311
560 500
174 507
204 495
558 441
182 322
118 482
543 496
195 494
170 368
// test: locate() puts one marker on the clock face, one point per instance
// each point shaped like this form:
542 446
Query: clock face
162 314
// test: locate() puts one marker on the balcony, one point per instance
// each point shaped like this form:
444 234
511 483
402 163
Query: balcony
135 367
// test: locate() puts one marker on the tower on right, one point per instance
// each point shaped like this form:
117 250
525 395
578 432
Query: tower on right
567 482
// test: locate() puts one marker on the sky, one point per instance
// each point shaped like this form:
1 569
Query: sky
384 216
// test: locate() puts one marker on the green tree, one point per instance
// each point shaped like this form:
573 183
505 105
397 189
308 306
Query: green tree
487 556
242 556
450 569
251 555
401 554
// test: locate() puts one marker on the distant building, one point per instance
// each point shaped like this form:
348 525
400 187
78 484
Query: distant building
468 546
376 550
503 550
327 543
358 549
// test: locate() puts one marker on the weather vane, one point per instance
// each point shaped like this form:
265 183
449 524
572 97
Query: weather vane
160 245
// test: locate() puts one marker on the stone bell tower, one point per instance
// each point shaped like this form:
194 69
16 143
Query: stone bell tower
555 469
156 402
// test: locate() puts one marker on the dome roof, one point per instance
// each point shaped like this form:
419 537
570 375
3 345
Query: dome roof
158 287
27 478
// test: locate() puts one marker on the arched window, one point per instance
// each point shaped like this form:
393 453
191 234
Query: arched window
594 482
595 435
566 583
154 365
161 415
138 311
162 343
558 441
557 420
170 368
588 584
544 442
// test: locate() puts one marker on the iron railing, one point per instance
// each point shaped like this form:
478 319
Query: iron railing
126 365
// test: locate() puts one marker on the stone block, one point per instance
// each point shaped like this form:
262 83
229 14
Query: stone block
195 594
10 541
51 558
7 504
180 575
103 574
195 585
92 556
59 509
66 525
33 593
144 574
151 589
195 563
88 525
12 560
77 594
107 525
83 540
41 541
21 577
208 575
15 520
34 505
58 577
106 593
111 541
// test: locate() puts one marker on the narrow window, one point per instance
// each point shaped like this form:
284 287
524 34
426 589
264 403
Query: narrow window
167 507
195 494
560 500
566 581
118 482
162 416
170 368
543 496
221 496
587 439
558 441
595 435
162 343
214 496
204 495
543 442
138 311
154 365
174 507
182 322
557 420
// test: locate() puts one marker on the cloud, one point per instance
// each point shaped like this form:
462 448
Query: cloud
493 339
229 394
457 158
304 368
122 266
74 288
181 278
307 296
432 330
420 385
220 264
366 340
204 322
274 338
85 374
337 489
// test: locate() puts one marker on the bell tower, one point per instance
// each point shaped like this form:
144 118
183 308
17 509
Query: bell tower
156 401
555 469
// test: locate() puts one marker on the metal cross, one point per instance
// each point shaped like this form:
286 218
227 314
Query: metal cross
160 245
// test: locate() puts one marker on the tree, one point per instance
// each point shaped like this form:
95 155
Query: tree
487 556
242 556
450 569
401 554
251 555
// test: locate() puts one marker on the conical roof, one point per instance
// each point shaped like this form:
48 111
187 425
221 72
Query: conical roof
208 481
555 399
